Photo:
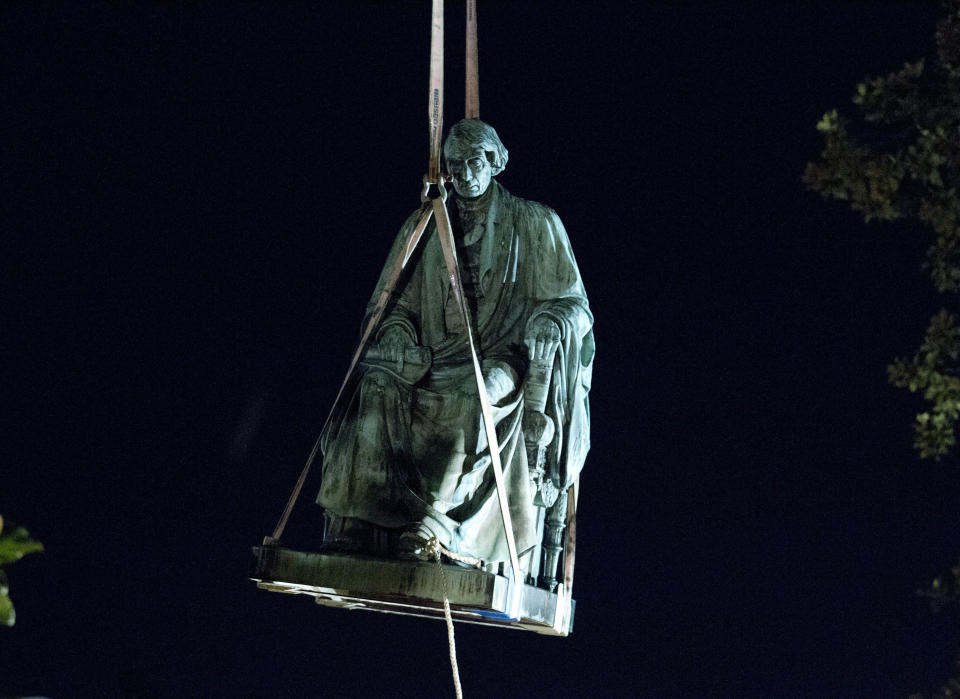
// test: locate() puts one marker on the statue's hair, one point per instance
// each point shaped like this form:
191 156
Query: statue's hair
476 132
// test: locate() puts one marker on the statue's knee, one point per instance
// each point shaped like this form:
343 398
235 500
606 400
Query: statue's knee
501 381
377 381
382 388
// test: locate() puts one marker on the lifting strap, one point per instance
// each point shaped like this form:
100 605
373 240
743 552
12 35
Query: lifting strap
472 92
435 103
437 208
372 322
447 244
445 232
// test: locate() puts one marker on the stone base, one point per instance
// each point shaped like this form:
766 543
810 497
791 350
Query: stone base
409 587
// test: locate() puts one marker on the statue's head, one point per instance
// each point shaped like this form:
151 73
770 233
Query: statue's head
473 154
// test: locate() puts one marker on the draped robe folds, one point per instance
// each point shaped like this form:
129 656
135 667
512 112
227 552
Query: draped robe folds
396 454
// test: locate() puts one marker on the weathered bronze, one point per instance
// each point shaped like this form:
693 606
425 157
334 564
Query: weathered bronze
405 457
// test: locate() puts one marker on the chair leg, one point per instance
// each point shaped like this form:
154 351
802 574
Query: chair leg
553 542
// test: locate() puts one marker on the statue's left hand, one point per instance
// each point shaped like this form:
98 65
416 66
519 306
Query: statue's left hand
542 338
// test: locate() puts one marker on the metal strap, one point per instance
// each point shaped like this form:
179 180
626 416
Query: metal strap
472 110
445 232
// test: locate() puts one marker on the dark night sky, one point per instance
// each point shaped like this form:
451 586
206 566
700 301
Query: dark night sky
196 203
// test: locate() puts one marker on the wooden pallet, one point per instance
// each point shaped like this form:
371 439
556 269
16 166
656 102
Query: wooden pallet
409 587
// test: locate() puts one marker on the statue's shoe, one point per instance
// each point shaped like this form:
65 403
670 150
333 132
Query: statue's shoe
413 544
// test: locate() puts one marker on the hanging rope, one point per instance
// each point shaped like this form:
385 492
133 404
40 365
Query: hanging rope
434 547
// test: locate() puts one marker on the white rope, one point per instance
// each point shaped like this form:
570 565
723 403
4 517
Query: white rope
434 547
469 560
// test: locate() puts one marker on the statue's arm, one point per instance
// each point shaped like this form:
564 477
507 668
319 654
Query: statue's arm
557 289
558 297
400 324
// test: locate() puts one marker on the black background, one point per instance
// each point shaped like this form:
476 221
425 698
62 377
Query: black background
197 201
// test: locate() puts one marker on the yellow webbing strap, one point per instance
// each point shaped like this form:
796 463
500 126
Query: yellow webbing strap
445 232
472 110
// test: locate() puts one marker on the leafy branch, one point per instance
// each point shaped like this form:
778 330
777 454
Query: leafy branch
944 594
902 161
14 545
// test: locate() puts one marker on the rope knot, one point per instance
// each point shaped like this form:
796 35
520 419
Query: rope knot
433 548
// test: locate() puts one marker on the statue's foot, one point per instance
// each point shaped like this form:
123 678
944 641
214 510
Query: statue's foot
413 544
343 534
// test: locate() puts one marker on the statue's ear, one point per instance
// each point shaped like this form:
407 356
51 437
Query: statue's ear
496 167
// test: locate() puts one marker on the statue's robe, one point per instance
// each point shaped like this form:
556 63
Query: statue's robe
397 454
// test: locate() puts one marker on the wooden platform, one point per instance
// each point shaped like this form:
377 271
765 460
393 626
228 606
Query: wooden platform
409 587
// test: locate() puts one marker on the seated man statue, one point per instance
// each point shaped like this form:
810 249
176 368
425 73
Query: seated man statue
405 455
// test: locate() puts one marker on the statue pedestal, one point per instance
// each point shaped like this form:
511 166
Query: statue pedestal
409 587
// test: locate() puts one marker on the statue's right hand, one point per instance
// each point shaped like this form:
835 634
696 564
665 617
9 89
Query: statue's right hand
393 342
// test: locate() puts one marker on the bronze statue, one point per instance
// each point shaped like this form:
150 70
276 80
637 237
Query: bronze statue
405 455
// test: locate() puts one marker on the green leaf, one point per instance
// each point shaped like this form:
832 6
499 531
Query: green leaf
829 122
8 614
17 544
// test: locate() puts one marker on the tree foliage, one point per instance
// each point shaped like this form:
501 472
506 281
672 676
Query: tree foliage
944 594
931 371
902 161
14 545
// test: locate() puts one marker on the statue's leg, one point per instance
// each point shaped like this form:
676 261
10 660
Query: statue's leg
449 438
453 473
436 447
353 535
347 534
365 464
440 414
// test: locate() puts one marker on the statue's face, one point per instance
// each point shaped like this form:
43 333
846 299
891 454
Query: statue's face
470 170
